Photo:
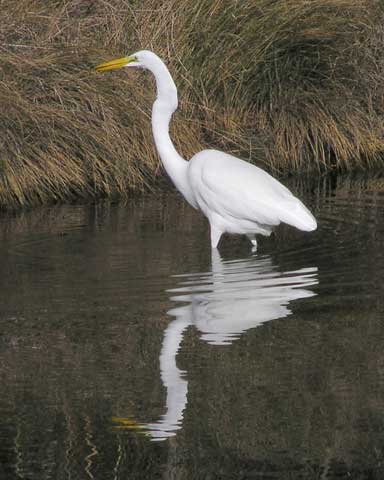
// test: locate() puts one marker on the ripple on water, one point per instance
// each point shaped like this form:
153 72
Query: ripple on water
86 328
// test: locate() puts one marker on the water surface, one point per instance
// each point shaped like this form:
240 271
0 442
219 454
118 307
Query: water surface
128 351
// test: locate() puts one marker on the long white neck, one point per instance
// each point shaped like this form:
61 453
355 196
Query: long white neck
163 108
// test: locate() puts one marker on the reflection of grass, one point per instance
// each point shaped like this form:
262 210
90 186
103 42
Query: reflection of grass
286 399
295 83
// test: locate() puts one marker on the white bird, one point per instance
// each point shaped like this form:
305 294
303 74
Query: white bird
235 196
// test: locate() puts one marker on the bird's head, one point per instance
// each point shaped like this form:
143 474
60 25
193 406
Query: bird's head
166 89
141 59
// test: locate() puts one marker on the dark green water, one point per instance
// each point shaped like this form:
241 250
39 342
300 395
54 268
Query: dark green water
128 352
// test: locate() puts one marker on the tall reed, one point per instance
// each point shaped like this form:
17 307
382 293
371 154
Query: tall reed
291 85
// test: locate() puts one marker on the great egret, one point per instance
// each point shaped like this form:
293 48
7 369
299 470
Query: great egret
235 196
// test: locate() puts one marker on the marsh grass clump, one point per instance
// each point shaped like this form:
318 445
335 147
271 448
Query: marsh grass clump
62 128
300 78
291 85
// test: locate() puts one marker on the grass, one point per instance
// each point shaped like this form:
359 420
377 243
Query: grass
291 85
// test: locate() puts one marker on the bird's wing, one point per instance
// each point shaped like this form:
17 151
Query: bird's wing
230 186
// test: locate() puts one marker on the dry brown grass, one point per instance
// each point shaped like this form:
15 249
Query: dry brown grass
293 85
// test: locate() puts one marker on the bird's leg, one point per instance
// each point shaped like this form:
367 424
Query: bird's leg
215 236
252 238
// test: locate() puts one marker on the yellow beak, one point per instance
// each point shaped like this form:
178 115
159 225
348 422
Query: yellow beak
114 64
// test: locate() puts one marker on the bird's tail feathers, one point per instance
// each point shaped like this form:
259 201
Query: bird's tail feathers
300 217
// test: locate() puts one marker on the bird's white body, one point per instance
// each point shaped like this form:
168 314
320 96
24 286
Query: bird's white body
238 197
234 195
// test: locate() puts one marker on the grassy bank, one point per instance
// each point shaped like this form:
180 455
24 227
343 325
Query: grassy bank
291 85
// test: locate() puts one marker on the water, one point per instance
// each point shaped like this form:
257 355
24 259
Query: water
128 351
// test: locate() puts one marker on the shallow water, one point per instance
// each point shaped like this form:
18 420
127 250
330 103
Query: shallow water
128 351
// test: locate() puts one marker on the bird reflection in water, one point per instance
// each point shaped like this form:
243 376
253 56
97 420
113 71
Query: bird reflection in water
222 304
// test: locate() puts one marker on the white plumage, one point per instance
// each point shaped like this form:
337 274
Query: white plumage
238 197
235 196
